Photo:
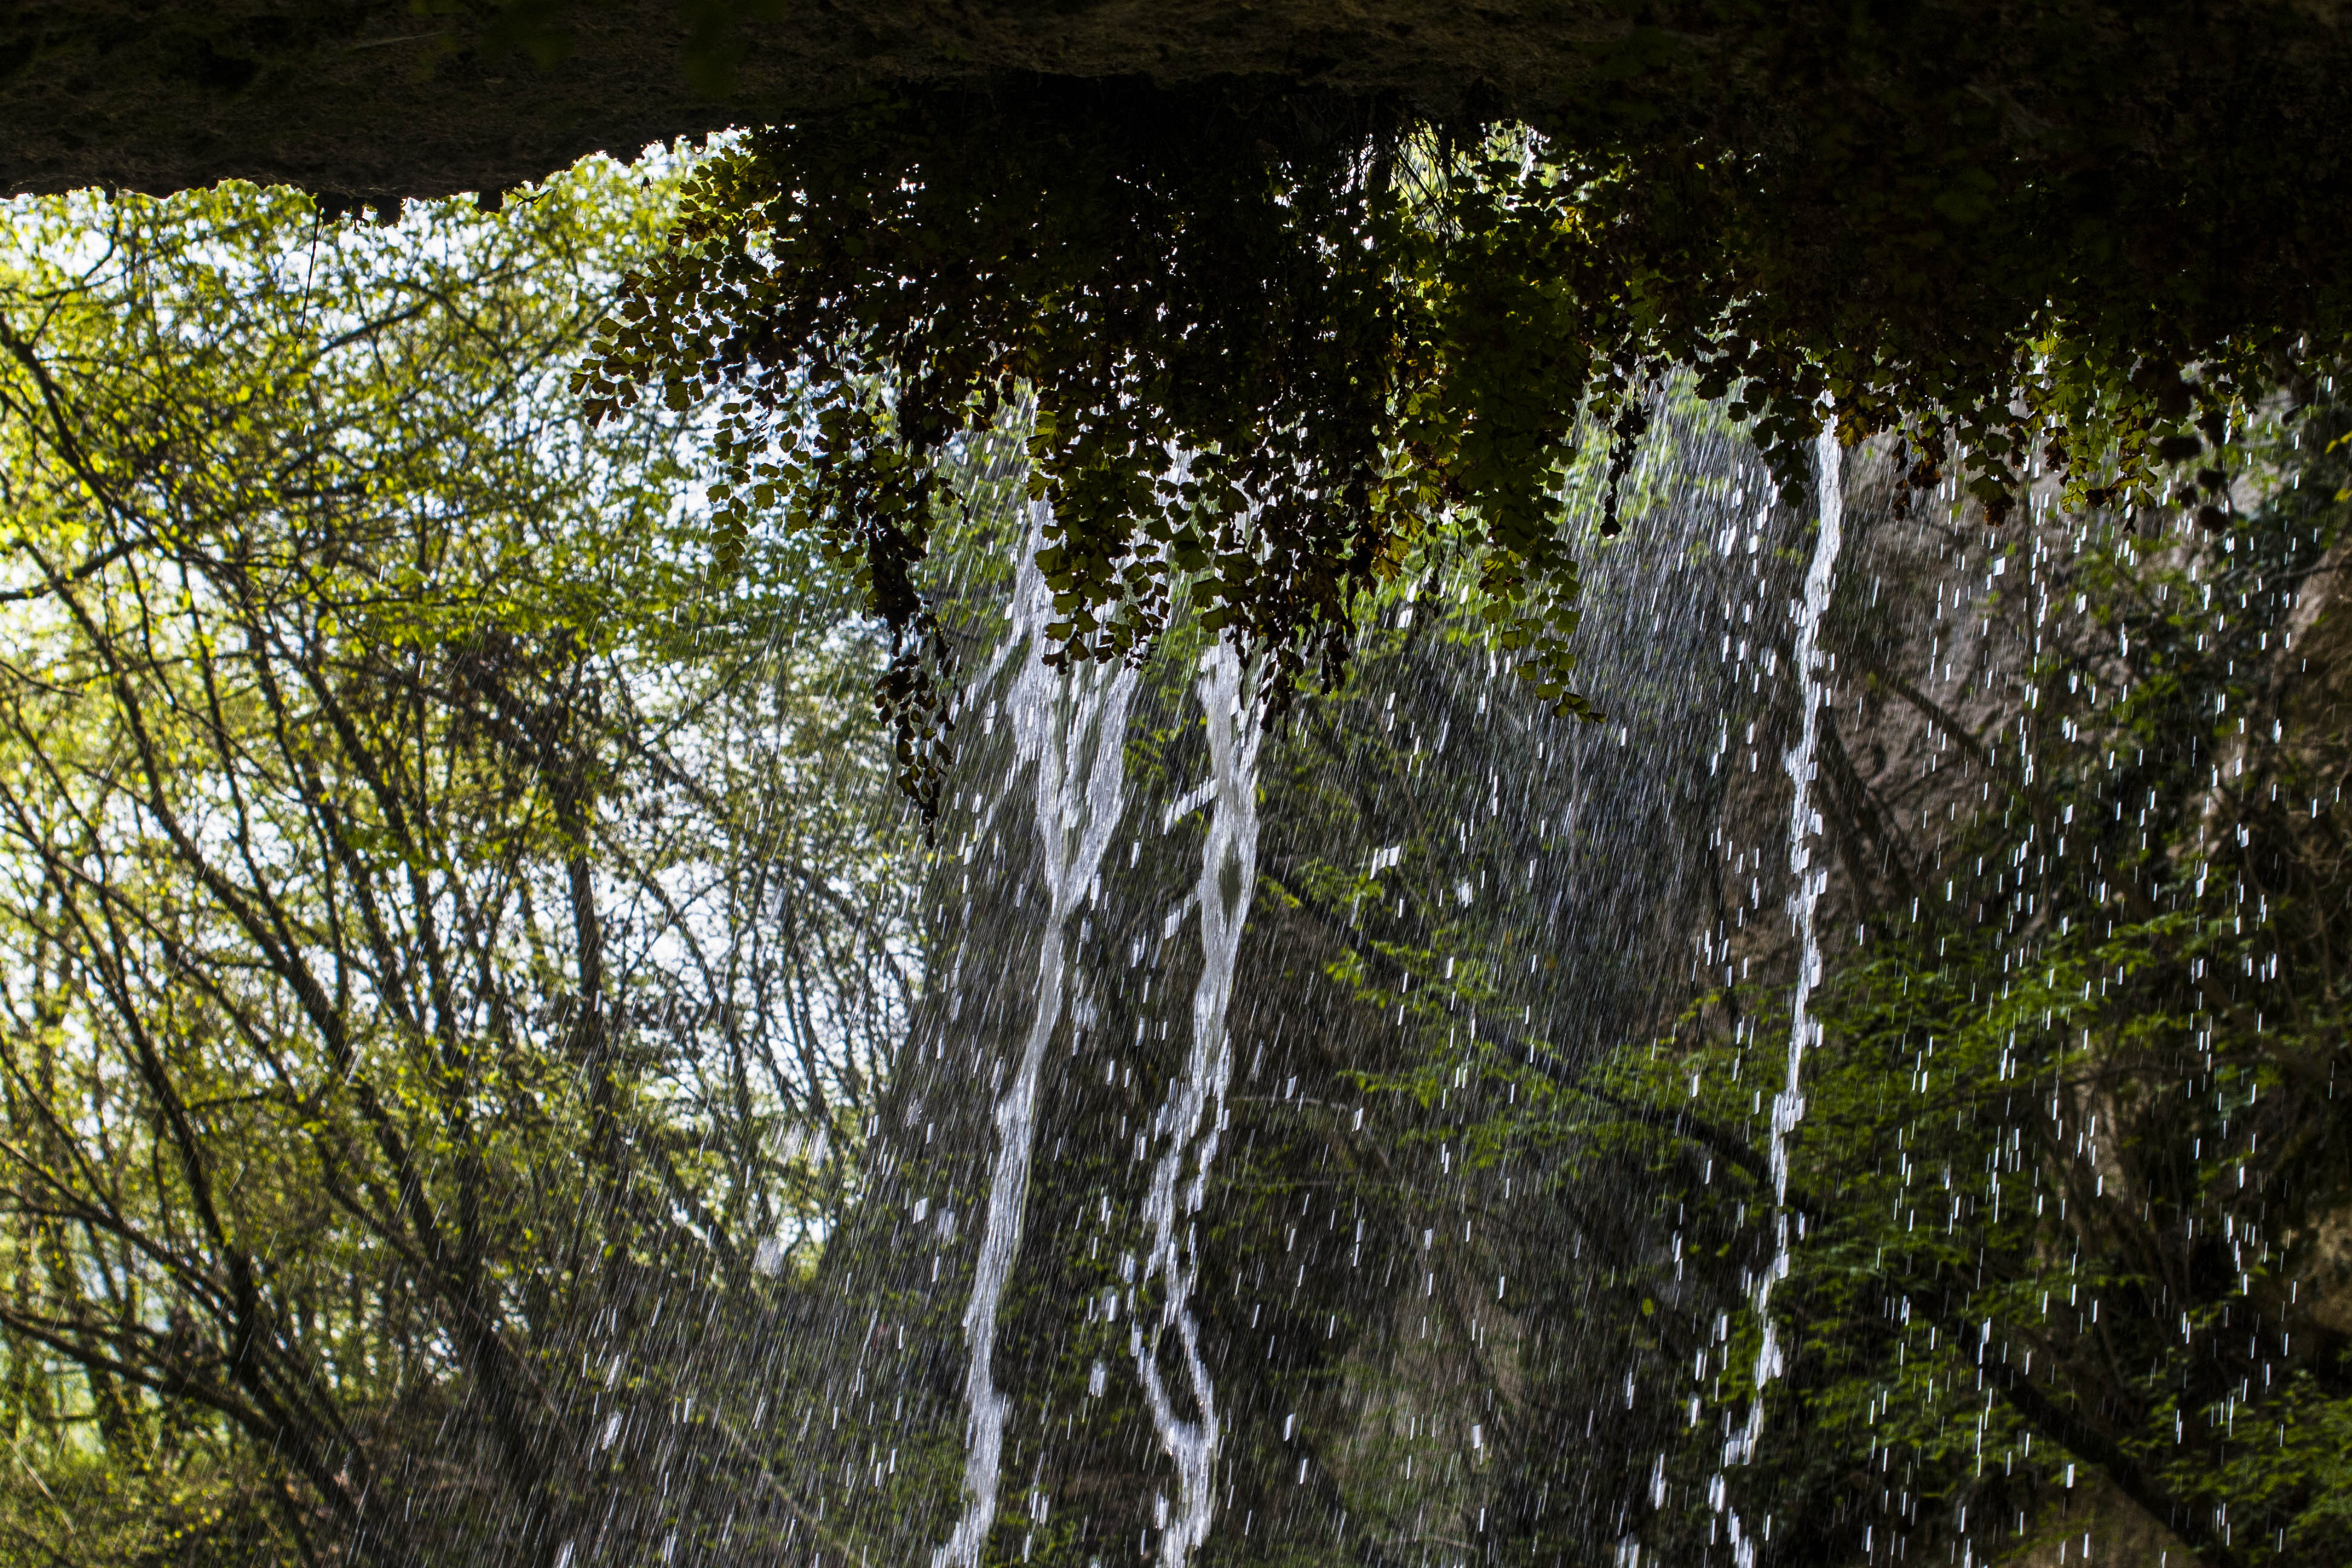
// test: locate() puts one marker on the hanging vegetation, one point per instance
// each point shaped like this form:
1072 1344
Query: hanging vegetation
1280 343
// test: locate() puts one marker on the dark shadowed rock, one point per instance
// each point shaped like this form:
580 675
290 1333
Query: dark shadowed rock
380 98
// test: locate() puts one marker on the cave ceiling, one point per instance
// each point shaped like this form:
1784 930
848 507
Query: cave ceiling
377 97
418 97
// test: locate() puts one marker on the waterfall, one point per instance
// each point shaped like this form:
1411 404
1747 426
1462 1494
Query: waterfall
1196 1096
1068 725
1804 822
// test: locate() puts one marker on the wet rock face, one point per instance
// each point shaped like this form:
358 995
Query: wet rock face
2094 1523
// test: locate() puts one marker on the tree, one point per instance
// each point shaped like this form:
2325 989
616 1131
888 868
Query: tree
411 994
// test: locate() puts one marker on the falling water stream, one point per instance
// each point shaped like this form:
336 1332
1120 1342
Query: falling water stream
1191 1118
1069 730
1804 824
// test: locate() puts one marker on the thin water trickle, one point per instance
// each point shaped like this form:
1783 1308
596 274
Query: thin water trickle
1804 822
1191 1120
1069 727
